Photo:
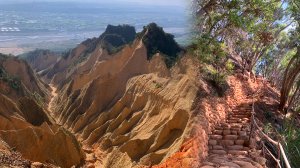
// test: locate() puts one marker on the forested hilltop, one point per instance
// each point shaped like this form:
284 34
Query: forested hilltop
261 38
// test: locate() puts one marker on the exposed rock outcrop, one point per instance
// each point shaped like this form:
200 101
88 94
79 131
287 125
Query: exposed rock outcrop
18 79
127 104
156 40
41 60
24 124
126 101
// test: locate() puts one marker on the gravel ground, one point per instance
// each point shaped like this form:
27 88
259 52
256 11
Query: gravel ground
13 160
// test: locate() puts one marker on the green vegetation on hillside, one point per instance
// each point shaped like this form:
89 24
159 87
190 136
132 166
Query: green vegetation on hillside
116 37
13 81
157 41
260 38
113 39
291 139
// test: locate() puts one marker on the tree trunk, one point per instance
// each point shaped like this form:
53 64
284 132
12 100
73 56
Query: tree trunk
289 77
293 97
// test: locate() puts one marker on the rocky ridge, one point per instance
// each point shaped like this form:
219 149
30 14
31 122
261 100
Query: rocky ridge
128 108
114 104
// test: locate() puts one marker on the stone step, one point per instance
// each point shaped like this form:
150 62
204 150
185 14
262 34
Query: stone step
237 152
225 142
216 137
229 125
219 127
246 106
233 131
217 147
229 140
245 137
241 110
212 142
233 119
239 142
227 132
239 115
247 113
235 147
246 148
243 133
237 118
218 132
219 152
237 121
241 119
223 125
231 137
243 123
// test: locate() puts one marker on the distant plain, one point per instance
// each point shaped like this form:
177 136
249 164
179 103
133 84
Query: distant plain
60 25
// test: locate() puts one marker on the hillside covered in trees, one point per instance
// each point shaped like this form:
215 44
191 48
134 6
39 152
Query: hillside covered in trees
260 38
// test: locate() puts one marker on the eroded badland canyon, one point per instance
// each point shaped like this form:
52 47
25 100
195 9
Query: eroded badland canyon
124 100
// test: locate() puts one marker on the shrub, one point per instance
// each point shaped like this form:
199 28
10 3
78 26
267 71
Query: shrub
229 66
268 115
157 41
268 128
13 81
291 140
211 53
217 78
158 85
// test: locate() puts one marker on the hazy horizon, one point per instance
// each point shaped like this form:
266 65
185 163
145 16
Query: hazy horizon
138 2
61 24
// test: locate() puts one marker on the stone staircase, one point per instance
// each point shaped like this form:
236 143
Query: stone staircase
229 143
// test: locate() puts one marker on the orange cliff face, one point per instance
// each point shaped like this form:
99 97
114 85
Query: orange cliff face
136 110
25 126
125 109
116 109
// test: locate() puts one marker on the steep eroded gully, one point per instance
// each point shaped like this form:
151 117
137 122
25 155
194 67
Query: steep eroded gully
90 154
53 96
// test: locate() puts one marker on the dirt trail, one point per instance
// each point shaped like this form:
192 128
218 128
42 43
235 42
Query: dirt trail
53 96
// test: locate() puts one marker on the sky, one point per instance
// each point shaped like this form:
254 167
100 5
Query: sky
142 2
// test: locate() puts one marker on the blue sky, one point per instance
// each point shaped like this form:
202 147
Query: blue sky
142 2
